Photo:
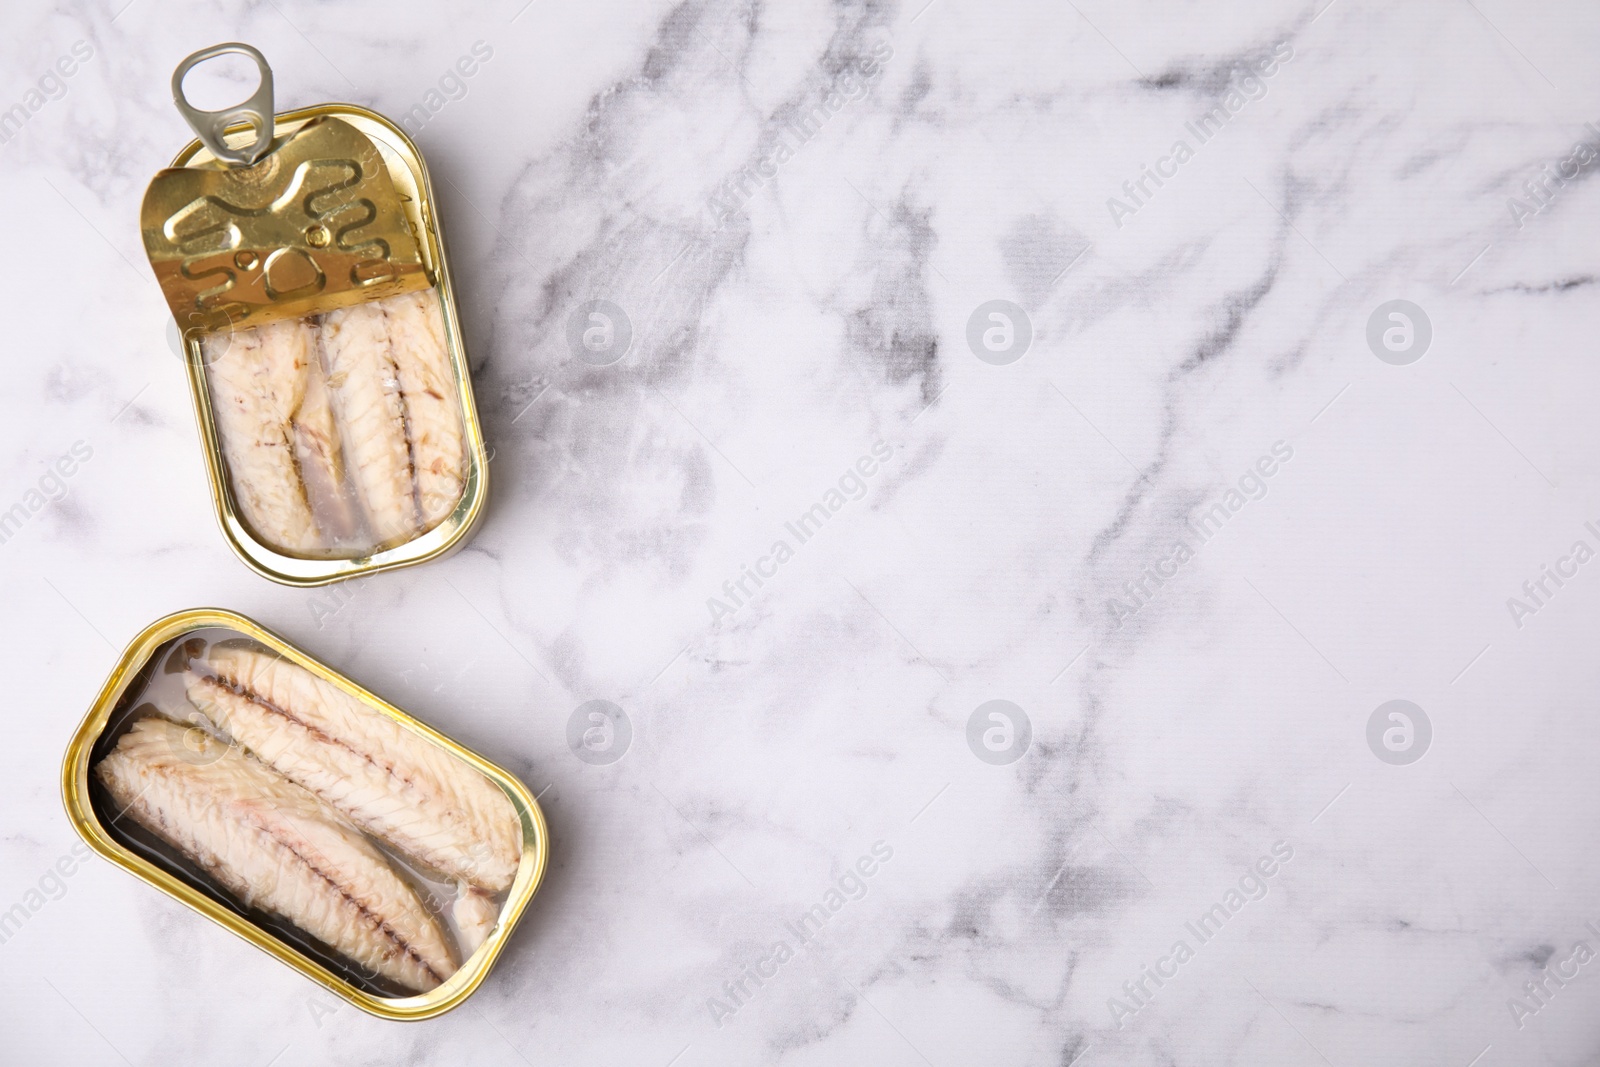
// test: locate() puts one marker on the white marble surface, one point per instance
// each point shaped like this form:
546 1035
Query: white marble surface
826 309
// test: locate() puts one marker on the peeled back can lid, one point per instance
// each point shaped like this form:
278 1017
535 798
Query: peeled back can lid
272 230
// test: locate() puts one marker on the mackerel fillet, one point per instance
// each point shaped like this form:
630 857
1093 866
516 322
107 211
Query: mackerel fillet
276 847
388 780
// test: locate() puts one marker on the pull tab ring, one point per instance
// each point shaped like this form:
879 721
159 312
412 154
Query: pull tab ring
209 125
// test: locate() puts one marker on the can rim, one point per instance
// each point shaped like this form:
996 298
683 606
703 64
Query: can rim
80 813
450 535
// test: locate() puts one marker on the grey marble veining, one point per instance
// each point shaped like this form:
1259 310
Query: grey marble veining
1179 508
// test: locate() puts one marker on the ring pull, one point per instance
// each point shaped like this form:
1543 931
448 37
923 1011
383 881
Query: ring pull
209 125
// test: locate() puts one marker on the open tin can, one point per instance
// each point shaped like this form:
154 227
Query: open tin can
302 258
276 797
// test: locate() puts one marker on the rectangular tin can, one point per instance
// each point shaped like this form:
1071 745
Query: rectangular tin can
410 178
139 661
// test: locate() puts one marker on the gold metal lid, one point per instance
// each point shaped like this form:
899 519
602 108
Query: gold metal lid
309 224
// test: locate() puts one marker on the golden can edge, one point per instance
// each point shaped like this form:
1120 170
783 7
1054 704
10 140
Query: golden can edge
412 180
80 812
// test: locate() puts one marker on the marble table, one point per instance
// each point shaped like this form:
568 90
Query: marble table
998 466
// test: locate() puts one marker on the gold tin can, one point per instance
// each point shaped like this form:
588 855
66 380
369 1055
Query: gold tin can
402 221
139 661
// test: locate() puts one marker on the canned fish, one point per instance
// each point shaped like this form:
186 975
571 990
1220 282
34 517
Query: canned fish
301 257
276 797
